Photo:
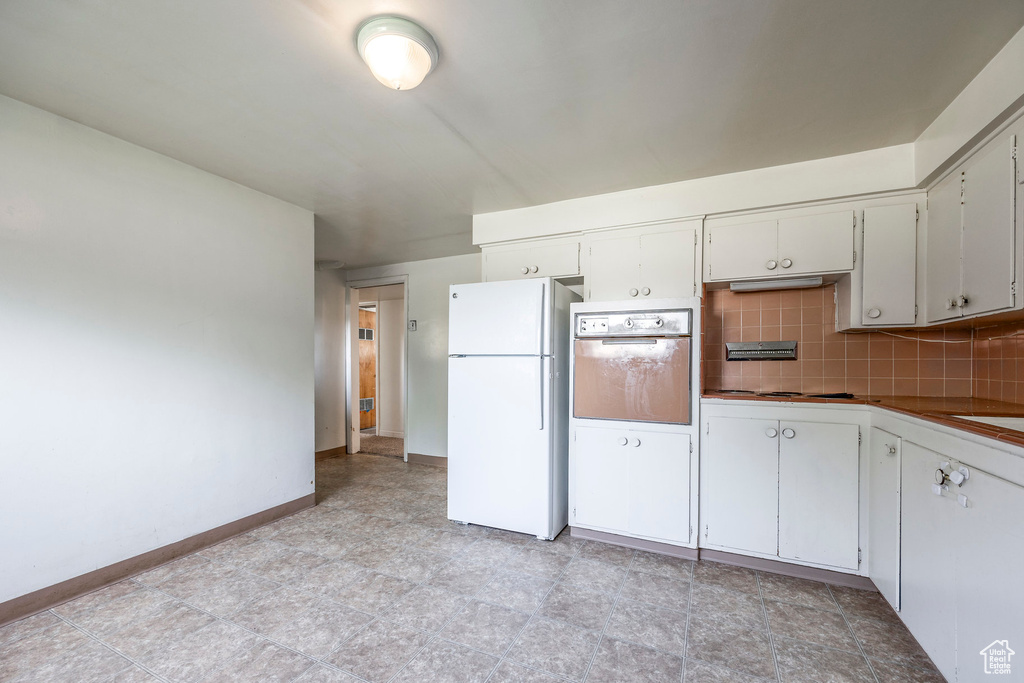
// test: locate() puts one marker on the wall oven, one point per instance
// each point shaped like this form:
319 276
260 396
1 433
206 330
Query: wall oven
634 365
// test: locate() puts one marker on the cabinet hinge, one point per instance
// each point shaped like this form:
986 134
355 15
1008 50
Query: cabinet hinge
915 311
696 238
858 557
854 255
917 213
691 447
709 237
705 532
1013 287
691 533
574 513
859 438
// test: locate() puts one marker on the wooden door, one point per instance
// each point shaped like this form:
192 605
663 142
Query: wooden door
368 368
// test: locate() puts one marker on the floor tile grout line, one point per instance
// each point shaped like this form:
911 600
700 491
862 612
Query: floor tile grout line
611 612
856 638
534 614
768 626
110 647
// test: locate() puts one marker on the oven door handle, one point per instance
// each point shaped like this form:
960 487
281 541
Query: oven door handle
617 342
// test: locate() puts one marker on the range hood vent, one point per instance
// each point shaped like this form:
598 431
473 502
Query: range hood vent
778 350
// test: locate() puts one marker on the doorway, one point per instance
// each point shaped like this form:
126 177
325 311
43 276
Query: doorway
378 380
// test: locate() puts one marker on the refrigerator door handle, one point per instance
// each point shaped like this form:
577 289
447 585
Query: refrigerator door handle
541 372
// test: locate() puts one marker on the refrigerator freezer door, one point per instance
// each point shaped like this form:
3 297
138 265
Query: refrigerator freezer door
499 458
499 318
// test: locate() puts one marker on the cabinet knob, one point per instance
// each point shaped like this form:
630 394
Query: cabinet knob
788 433
874 312
633 291
950 304
890 449
786 263
962 301
940 477
634 443
645 291
623 441
524 270
771 432
771 265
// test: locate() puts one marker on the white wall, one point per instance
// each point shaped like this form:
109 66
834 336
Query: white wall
329 352
428 283
156 365
390 367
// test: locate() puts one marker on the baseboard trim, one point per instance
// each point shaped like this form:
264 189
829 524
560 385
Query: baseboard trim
51 596
787 569
435 460
391 435
634 543
331 453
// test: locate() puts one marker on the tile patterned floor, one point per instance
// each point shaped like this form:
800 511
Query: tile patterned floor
375 584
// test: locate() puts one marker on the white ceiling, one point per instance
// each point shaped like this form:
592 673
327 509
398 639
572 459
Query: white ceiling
533 100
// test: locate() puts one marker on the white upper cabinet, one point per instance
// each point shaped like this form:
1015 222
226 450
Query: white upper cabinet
657 261
971 237
988 231
889 259
544 258
744 250
779 247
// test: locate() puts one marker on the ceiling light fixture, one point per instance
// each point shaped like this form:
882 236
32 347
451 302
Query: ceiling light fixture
399 53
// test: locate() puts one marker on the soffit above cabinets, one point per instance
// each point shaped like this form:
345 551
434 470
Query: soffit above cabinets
531 102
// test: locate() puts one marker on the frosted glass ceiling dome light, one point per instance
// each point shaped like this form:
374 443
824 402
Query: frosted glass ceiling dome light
399 53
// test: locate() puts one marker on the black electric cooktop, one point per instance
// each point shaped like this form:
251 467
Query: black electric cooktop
782 394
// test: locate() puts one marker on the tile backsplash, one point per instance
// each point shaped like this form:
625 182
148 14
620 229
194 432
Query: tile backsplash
931 362
999 362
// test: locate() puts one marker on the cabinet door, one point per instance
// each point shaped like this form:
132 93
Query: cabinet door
816 244
942 277
989 541
735 252
659 485
740 484
988 231
890 265
927 573
818 493
599 484
555 260
507 265
667 262
614 271
884 514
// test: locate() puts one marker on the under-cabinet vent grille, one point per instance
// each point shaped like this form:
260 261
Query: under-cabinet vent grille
779 350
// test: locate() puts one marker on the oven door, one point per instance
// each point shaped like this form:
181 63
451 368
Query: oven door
640 379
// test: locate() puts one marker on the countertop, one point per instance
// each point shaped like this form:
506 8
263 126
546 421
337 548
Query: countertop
933 409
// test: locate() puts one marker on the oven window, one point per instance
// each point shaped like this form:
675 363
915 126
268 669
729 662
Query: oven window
636 379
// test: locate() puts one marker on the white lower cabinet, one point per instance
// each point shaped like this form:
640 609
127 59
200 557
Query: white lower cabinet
927 580
783 488
884 513
962 549
632 482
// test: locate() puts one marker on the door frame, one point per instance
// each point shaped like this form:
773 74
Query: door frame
352 345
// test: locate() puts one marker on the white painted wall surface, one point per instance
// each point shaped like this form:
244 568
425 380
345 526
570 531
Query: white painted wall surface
390 367
877 170
993 94
329 352
428 283
156 361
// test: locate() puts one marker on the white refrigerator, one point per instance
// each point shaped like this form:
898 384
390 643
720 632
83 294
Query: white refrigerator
508 405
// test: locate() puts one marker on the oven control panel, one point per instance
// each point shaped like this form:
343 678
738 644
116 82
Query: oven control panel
666 323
